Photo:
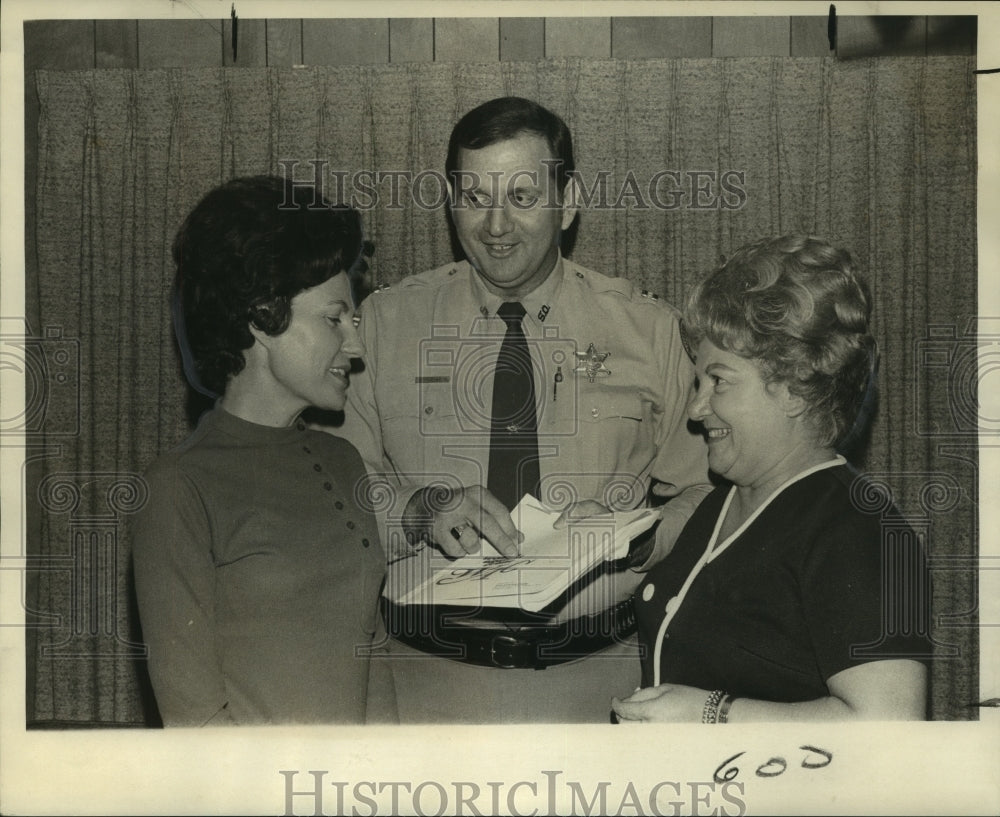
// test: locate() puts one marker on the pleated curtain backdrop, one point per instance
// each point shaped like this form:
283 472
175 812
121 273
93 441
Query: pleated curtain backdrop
878 155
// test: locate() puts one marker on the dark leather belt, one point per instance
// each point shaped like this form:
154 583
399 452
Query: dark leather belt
455 633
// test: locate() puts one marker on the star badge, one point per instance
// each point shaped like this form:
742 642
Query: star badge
592 363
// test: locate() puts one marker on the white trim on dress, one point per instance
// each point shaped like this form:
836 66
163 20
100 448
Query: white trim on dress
711 551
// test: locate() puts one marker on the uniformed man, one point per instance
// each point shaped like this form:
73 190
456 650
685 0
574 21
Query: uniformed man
611 383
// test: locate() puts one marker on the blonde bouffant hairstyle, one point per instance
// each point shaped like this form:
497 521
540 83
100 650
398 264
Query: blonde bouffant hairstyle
798 307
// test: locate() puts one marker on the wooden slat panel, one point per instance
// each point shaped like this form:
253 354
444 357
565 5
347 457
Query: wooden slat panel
522 38
251 46
345 42
117 44
951 36
411 39
58 44
180 43
467 39
651 37
578 37
750 37
284 42
882 36
54 45
810 37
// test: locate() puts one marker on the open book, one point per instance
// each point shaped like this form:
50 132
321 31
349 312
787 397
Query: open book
549 562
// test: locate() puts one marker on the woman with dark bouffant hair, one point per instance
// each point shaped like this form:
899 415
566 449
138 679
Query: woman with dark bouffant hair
783 598
257 573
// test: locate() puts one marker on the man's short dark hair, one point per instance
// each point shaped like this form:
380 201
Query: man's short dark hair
245 250
505 118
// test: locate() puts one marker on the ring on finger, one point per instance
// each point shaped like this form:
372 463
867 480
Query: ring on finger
458 530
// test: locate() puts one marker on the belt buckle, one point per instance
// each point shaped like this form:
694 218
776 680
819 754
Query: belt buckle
508 643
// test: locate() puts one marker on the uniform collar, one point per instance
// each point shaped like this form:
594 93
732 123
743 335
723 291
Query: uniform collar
538 303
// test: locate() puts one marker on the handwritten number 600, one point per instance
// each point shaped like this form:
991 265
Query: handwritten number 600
773 767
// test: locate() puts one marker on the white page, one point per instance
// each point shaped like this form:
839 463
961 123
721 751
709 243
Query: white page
550 560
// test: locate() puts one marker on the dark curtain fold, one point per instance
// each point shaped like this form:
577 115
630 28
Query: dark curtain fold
878 155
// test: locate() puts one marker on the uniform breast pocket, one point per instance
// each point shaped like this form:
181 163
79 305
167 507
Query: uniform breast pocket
436 412
616 428
419 425
401 421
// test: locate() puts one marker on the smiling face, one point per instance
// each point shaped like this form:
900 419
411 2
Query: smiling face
755 432
505 214
308 364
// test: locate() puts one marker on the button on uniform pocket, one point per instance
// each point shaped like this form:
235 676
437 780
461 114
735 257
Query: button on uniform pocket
616 438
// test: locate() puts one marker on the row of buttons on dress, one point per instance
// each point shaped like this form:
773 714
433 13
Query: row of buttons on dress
328 486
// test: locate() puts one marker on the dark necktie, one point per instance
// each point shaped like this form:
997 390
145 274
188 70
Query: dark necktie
513 469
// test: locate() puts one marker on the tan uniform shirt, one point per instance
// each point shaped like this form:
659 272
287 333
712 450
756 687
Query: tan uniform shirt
420 412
